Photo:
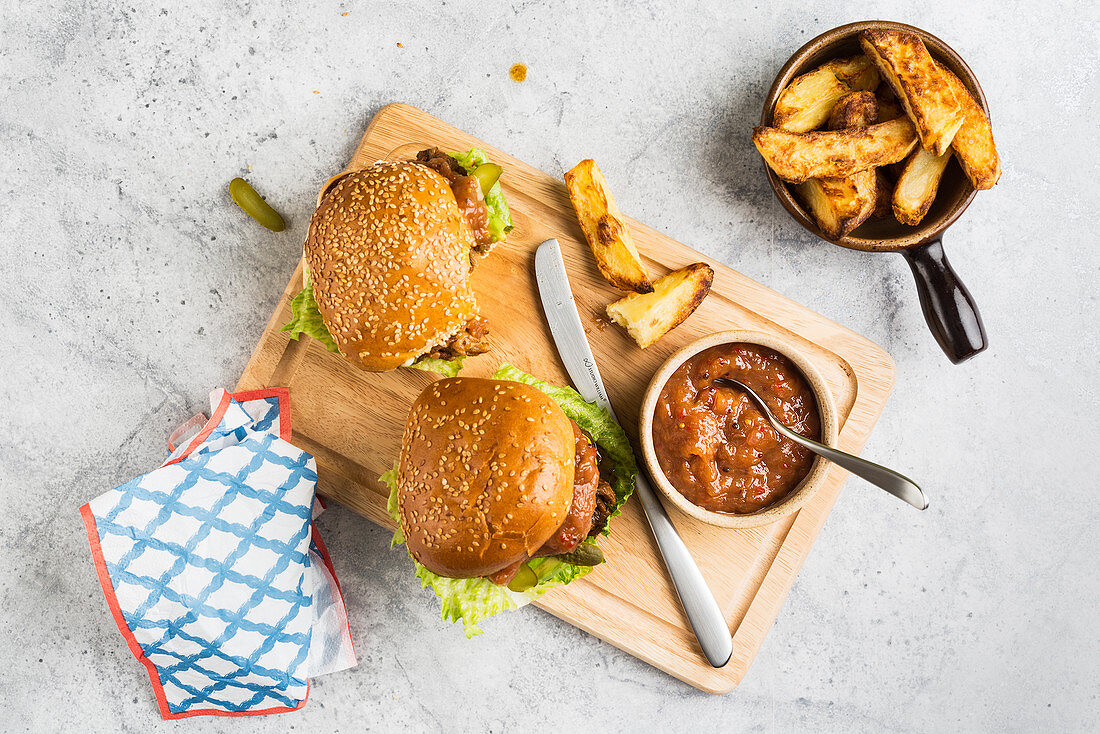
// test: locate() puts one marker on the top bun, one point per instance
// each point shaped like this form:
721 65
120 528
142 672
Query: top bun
485 477
388 253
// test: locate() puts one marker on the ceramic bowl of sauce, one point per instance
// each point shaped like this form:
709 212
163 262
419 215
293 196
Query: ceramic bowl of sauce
710 450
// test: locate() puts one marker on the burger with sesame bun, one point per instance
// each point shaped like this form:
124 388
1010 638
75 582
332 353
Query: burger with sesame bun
388 257
502 489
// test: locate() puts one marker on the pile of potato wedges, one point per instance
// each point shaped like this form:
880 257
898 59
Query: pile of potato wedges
870 136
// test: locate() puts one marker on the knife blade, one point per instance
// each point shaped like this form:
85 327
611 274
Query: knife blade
699 605
565 325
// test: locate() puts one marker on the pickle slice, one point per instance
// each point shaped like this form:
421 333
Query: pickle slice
487 175
585 554
524 579
254 205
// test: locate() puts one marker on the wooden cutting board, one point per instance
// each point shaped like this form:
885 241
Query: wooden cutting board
352 420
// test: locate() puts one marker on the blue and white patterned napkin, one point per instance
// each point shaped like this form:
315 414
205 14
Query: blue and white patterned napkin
214 572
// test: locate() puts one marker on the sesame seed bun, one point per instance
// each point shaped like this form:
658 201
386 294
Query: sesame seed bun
485 476
388 253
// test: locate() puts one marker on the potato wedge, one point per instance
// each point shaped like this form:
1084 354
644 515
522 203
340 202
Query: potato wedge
973 143
917 185
858 109
796 157
604 228
858 72
805 103
649 316
914 76
839 205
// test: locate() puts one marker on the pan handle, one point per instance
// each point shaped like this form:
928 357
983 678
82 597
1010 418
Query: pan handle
948 307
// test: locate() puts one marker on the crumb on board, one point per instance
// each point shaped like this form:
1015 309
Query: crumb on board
518 72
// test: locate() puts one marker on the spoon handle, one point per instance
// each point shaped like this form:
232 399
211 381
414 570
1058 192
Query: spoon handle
903 488
900 486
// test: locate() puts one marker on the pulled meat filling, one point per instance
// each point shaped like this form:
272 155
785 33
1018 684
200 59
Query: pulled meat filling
472 339
578 522
471 201
593 499
605 503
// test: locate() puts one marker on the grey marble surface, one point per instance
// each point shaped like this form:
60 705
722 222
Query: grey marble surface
132 286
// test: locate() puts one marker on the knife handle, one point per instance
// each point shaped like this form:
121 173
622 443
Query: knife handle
702 610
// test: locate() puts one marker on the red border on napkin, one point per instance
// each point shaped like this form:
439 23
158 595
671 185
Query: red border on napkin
283 394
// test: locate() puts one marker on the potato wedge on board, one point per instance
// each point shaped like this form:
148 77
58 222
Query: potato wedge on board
858 109
604 228
796 157
917 186
914 76
805 103
649 316
973 143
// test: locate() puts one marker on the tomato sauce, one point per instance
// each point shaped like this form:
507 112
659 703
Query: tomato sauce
713 444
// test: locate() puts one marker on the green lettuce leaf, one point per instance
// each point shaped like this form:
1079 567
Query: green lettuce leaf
500 217
445 367
473 600
390 480
306 317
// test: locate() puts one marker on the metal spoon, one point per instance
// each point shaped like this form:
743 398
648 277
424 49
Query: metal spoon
901 487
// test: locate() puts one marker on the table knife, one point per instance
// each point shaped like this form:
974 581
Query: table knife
565 325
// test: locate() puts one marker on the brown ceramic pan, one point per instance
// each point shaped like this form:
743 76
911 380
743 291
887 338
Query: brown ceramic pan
947 304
